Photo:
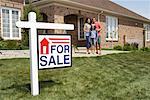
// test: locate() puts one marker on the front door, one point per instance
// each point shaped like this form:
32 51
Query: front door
72 19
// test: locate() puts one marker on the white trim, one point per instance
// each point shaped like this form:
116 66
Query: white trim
1 35
146 31
10 25
116 28
79 29
110 39
146 36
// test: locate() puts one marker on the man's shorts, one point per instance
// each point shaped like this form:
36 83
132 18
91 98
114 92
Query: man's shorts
99 39
93 41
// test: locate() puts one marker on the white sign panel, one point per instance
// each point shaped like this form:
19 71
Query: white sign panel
54 51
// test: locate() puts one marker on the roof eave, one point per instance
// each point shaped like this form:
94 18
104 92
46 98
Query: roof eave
71 3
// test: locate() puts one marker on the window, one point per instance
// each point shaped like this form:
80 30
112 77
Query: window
147 31
112 28
9 17
81 35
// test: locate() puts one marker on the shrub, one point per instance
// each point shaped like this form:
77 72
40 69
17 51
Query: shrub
145 49
12 45
25 39
3 44
118 47
134 46
127 47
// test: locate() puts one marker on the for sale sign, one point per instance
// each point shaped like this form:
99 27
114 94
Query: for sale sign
54 51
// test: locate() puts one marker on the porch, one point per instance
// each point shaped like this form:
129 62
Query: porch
67 15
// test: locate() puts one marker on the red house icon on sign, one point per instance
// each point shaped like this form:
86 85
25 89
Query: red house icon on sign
44 46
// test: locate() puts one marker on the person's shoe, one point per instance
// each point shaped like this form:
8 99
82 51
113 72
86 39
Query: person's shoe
100 53
87 52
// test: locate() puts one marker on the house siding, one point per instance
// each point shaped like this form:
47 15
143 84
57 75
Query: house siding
12 4
147 44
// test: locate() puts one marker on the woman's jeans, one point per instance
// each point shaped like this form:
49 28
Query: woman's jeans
88 45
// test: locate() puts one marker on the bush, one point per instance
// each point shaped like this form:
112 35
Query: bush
134 46
145 49
127 47
3 44
118 47
25 39
12 45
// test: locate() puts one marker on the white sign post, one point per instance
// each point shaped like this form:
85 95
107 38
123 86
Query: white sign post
33 26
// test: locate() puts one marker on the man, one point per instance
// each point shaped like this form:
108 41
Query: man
98 29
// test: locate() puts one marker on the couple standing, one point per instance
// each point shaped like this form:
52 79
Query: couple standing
92 30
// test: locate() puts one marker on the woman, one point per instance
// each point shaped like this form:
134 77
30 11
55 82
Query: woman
98 38
87 30
93 37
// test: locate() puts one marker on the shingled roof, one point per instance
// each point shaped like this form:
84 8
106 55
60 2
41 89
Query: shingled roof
102 5
111 6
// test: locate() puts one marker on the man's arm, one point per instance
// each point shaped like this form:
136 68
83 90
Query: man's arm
100 27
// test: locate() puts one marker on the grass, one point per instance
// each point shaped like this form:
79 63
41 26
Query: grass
110 77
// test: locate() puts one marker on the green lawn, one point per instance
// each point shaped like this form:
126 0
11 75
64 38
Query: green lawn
110 77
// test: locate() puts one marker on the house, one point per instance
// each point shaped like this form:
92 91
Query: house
119 24
10 12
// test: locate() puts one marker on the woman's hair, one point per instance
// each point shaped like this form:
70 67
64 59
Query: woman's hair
86 21
93 27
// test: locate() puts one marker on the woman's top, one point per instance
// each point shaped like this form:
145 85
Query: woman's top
87 28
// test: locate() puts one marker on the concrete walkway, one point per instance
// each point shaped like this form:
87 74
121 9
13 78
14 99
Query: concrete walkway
103 52
7 54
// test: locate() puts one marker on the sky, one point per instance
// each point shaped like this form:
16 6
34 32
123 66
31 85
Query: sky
141 7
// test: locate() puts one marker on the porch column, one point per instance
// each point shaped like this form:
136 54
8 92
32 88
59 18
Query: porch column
59 19
51 20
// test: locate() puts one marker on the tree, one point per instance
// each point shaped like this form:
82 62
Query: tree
28 8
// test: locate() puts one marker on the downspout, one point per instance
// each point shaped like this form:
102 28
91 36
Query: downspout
98 17
24 2
144 39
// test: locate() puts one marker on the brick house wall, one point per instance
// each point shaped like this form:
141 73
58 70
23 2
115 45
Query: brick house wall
147 44
17 4
19 1
131 29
